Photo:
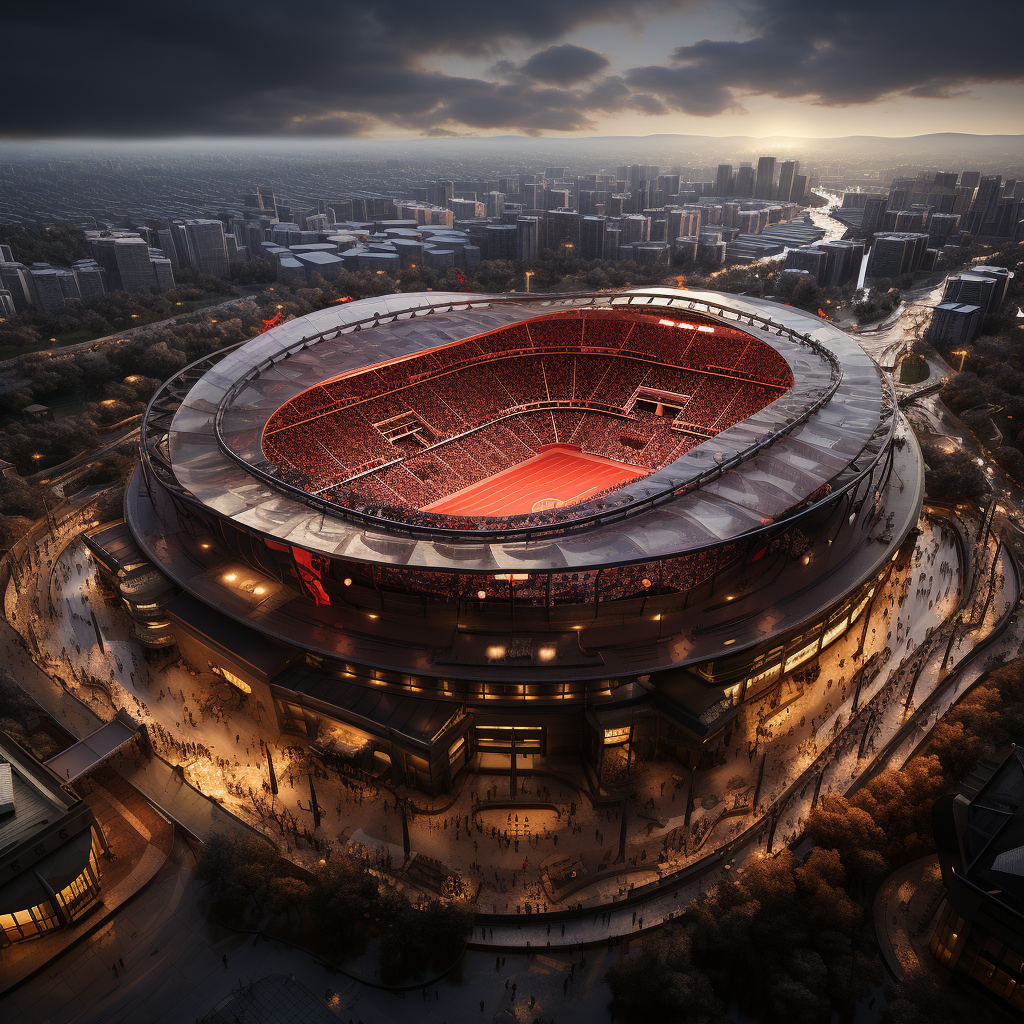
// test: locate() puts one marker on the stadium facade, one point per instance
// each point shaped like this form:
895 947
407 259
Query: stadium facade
432 533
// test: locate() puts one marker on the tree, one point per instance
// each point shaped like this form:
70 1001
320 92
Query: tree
1011 461
953 474
19 498
285 893
237 869
662 983
920 999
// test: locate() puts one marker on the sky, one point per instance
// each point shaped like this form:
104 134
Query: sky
408 69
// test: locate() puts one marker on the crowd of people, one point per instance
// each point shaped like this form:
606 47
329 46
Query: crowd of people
615 583
489 403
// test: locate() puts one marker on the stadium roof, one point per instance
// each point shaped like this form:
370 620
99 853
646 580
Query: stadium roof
842 433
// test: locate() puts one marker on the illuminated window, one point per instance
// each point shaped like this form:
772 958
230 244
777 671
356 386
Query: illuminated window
765 676
230 677
835 631
618 735
799 657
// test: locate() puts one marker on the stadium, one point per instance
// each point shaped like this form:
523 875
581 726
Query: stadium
434 534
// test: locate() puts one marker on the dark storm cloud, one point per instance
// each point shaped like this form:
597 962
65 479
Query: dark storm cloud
322 66
844 52
342 67
565 64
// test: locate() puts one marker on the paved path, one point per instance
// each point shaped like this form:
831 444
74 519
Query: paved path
174 972
904 909
811 729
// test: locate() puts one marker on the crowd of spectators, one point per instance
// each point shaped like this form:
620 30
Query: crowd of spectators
491 402
617 583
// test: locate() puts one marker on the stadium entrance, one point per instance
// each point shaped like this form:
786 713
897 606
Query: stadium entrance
509 747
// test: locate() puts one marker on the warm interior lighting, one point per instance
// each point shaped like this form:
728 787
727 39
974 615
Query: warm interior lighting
231 577
235 681
546 653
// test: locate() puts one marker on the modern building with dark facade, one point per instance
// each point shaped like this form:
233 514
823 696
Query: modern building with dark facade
300 493
979 931
50 845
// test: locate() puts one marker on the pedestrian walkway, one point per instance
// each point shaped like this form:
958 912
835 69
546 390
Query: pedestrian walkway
814 734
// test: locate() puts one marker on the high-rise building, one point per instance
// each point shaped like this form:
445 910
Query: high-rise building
765 184
51 291
980 286
207 247
134 268
17 279
984 205
894 254
498 242
942 227
842 262
162 270
466 209
723 180
873 218
955 323
786 175
635 228
528 238
101 247
165 238
91 278
744 184
592 238
558 199
562 230
808 259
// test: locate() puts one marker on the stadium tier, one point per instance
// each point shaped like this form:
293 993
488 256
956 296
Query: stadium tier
451 525
641 390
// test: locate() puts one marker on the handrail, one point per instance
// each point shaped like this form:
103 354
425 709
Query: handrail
519 528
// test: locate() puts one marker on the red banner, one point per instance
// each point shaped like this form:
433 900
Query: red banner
309 575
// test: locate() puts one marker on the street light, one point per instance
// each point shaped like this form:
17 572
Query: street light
529 274
962 353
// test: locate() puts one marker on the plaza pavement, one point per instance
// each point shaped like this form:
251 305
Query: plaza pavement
60 594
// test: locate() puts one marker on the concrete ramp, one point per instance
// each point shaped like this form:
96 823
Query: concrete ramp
95 748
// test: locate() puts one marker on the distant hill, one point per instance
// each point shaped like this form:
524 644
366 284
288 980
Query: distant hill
943 147
951 150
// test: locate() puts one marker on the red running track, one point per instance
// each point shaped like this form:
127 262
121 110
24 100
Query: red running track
560 475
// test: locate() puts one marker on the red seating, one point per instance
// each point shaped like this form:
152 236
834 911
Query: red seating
464 394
